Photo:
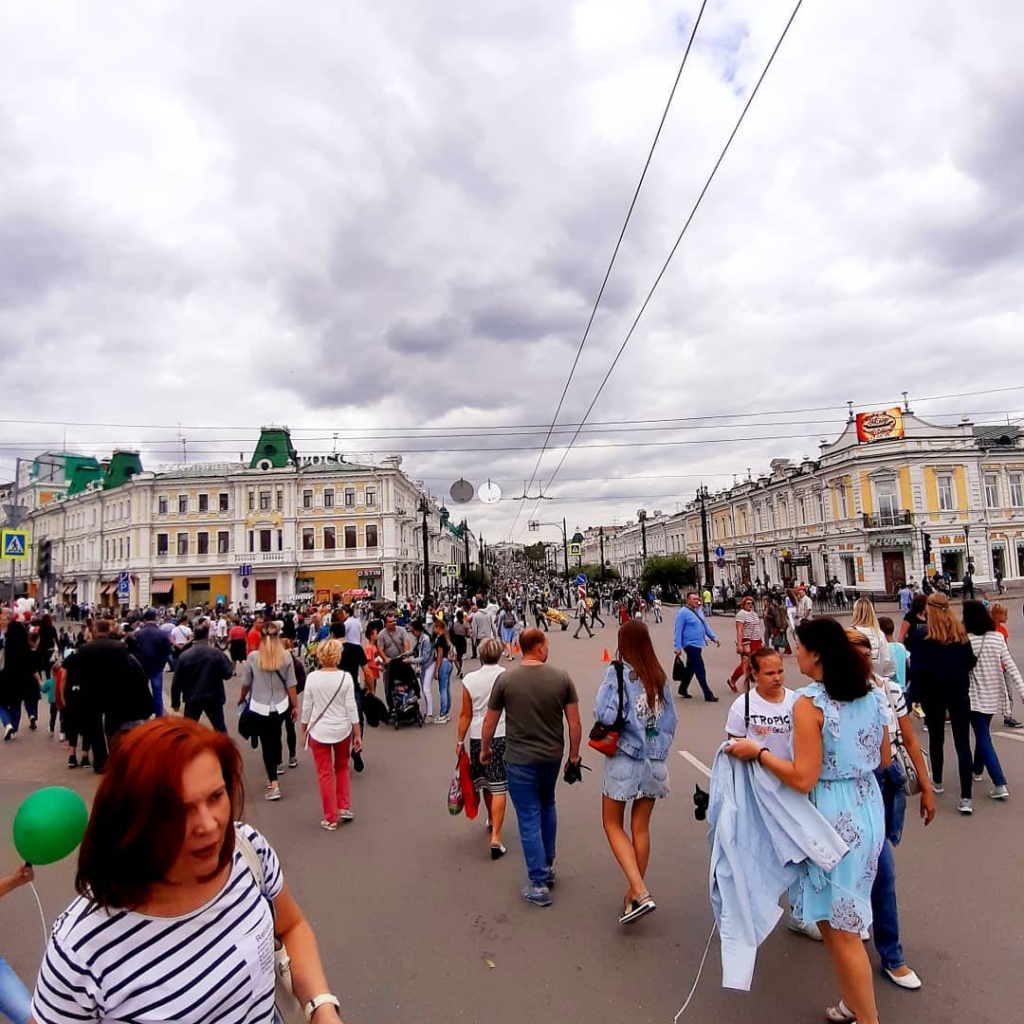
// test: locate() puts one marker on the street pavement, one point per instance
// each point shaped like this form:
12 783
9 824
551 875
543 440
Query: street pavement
416 923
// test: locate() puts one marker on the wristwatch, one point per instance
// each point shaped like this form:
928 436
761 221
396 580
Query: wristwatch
317 1001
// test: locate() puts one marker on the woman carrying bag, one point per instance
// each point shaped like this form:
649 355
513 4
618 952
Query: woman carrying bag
268 691
634 701
330 725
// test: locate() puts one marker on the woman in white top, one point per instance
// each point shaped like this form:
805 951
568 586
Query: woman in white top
865 621
490 777
330 725
765 711
990 678
749 638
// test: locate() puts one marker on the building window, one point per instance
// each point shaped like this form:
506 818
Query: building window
801 511
161 543
128 548
350 497
307 499
252 540
182 543
222 501
308 538
885 495
1017 490
252 501
330 538
203 543
821 506
182 504
161 504
280 540
945 485
265 501
120 548
204 503
279 500
266 539
371 497
991 490
223 542
328 497
844 508
350 536
371 536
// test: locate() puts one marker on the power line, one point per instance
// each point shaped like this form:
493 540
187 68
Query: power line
682 233
615 251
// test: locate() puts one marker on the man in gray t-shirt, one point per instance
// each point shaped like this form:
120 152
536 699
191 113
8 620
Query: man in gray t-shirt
535 698
392 641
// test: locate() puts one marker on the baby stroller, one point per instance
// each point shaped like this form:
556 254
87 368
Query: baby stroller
402 693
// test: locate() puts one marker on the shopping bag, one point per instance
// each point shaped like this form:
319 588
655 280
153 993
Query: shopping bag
470 797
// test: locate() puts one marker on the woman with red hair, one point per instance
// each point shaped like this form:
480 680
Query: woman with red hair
179 903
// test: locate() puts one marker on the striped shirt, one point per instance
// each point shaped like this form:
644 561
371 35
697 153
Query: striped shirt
212 966
995 671
753 627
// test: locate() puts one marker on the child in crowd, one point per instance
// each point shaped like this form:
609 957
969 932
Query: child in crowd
898 651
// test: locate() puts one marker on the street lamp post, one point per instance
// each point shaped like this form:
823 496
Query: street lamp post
600 534
641 514
967 543
464 526
424 507
578 539
702 496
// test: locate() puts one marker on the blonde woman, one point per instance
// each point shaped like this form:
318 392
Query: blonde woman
941 666
330 725
268 684
866 622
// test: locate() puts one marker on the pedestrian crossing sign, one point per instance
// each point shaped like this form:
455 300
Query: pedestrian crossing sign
14 544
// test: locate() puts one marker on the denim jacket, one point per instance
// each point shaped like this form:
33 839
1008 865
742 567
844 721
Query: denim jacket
633 740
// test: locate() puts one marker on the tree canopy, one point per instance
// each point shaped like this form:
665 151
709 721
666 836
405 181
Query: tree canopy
670 572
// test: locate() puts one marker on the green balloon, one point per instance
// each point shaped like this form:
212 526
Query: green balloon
49 825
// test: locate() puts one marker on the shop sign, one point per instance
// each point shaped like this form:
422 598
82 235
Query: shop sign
880 426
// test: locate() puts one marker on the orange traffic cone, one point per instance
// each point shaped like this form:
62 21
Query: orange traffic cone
515 649
604 656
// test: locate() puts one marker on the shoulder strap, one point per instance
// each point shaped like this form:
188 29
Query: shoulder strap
746 709
619 676
251 857
329 703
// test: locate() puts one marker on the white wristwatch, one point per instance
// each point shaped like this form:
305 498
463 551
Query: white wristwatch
317 1001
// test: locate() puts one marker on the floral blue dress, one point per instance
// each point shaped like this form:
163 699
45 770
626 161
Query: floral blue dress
848 796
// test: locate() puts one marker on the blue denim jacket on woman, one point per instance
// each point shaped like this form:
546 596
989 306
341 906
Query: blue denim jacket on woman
633 740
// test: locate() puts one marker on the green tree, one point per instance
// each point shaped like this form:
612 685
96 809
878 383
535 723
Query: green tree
669 572
477 580
593 572
535 553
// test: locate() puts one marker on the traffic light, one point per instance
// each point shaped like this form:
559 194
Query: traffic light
44 559
927 548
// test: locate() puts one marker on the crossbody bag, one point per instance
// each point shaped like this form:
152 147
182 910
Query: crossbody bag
912 785
605 738
309 728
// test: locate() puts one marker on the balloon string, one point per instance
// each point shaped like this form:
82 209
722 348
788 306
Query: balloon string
42 916
700 970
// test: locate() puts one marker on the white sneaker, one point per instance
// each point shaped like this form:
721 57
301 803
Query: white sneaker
965 806
812 931
865 935
979 778
999 793
909 980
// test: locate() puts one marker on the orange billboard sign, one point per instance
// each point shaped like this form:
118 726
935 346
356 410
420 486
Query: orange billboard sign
880 426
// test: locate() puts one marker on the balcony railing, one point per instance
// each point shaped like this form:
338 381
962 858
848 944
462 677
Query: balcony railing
887 520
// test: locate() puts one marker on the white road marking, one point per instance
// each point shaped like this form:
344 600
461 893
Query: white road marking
702 767
1010 736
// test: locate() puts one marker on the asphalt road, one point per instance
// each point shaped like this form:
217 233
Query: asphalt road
416 923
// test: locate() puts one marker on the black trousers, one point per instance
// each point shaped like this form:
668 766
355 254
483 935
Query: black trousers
211 707
270 742
937 700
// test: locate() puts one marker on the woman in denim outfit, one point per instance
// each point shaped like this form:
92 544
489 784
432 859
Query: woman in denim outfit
638 770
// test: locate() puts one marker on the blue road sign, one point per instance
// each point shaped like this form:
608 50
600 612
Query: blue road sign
719 552
581 580
15 544
245 570
720 563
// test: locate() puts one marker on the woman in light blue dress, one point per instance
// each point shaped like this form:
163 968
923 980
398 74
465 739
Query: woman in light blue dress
839 739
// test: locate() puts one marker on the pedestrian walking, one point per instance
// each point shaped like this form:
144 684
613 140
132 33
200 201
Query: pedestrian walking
152 646
490 778
691 635
442 669
535 697
581 615
866 622
749 638
507 629
330 727
1000 615
424 658
19 680
199 680
635 695
269 690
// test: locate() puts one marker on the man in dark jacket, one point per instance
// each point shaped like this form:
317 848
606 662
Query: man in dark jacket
199 678
108 691
152 646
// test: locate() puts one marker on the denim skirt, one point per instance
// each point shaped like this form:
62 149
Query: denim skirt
627 778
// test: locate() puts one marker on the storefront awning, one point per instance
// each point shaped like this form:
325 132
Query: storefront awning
108 588
161 586
68 588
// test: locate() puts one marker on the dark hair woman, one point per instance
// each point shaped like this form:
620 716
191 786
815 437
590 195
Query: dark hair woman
638 770
840 737
19 681
164 879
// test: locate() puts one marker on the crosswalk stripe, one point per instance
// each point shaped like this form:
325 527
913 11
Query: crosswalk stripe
700 765
1010 736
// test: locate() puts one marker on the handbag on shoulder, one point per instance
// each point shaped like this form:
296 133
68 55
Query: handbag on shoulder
605 738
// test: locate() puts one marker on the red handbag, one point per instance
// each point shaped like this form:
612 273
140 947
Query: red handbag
470 797
605 738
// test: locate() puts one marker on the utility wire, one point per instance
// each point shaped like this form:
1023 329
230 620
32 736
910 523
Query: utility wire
615 253
679 239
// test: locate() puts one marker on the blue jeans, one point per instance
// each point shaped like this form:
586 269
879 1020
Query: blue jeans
444 685
984 751
695 667
884 912
15 999
532 788
156 682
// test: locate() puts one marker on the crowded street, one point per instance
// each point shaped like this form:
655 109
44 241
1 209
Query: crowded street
416 923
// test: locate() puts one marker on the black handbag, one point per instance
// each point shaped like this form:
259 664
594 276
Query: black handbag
678 670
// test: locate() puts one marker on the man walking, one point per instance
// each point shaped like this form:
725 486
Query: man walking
152 646
534 698
595 611
481 626
581 614
692 633
199 678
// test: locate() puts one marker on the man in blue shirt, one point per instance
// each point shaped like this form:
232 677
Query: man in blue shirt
691 635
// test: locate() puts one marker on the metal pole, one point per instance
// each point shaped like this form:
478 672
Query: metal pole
702 493
465 538
426 559
14 518
600 534
565 550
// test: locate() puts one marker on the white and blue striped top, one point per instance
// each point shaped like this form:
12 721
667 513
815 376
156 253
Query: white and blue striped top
212 966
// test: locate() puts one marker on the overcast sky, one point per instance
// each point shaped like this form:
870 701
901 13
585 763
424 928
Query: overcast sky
365 218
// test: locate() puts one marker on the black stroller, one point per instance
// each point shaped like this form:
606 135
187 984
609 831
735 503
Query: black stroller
402 694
